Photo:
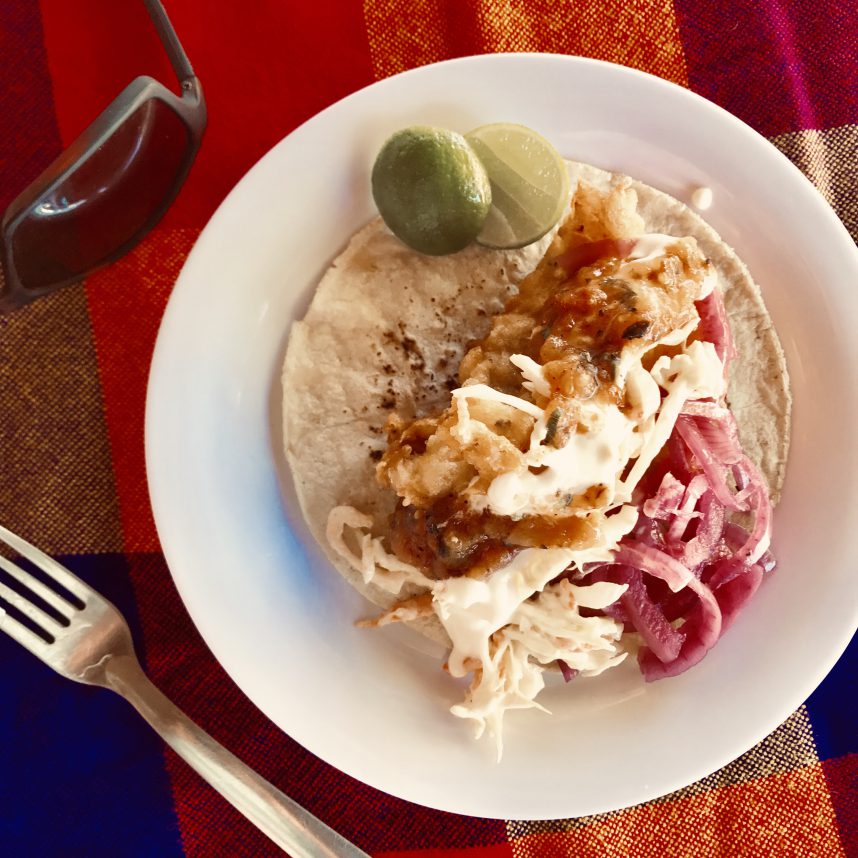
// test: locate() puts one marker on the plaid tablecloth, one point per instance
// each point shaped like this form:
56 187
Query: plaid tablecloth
80 773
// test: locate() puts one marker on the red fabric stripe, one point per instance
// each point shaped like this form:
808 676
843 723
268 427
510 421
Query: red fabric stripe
95 48
31 141
841 775
126 302
260 82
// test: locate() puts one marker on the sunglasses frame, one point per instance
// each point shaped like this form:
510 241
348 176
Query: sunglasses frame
190 107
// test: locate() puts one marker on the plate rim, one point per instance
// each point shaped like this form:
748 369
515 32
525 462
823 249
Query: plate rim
162 345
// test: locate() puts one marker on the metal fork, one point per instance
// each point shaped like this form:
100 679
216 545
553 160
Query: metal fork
92 644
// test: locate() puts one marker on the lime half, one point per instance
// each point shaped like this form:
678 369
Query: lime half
431 189
529 181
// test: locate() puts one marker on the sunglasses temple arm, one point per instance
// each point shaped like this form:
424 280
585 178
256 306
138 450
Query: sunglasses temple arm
178 59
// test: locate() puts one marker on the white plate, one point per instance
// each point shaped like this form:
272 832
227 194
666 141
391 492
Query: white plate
279 618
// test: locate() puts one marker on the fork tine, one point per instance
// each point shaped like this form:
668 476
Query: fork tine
28 639
47 564
45 621
57 602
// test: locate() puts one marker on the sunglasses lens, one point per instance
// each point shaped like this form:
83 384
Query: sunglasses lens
105 202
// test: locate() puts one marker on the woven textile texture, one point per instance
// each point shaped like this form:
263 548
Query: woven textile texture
80 773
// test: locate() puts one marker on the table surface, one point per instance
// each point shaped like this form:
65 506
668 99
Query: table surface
80 773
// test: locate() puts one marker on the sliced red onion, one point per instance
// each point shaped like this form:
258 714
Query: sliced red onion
648 619
680 463
703 573
714 470
740 477
615 611
649 559
735 594
715 327
723 570
666 500
646 532
676 606
648 484
705 408
737 541
721 436
569 673
755 495
761 536
735 536
605 572
702 546
702 630
693 492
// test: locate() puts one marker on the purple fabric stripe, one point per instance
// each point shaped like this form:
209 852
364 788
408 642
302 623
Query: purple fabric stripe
791 54
780 65
30 142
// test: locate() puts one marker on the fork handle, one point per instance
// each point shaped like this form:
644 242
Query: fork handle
276 815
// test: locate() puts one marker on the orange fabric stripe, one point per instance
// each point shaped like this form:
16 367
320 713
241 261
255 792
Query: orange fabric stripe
497 850
407 33
126 302
57 487
786 814
403 34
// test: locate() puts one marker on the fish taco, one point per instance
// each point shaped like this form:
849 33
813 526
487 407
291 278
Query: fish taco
551 457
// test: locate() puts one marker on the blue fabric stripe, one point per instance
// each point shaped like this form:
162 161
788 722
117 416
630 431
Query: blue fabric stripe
832 708
81 773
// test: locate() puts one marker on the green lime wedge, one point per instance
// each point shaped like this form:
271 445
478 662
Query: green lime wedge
431 189
529 182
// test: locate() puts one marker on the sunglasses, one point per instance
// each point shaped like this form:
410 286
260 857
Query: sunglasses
101 196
